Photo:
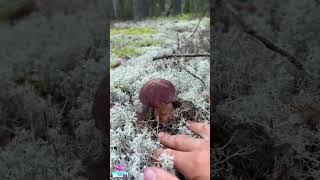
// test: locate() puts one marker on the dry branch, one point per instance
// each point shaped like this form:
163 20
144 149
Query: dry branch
189 40
240 152
184 68
195 30
181 55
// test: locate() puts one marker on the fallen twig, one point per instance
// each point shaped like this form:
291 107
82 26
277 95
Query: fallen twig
240 152
181 55
195 30
195 76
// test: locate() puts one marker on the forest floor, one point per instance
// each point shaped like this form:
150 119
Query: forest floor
267 108
134 128
49 73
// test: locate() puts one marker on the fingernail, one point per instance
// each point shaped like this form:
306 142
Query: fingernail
188 123
160 135
149 174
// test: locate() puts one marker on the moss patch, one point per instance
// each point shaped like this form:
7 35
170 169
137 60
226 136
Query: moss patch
125 51
129 44
134 31
186 16
130 47
147 43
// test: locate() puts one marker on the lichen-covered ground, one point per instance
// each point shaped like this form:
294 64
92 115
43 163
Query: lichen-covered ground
49 71
267 115
133 127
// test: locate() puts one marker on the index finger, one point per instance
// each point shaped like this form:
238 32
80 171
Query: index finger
202 129
180 142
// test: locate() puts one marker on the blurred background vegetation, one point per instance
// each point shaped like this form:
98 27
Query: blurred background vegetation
141 9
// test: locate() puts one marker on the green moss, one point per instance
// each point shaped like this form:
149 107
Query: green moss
122 47
148 42
186 16
134 31
125 51
137 43
123 87
129 46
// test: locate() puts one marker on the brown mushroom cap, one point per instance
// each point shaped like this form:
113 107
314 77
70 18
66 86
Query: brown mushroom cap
157 91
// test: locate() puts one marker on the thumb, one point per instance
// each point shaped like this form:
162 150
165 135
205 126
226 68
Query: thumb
154 173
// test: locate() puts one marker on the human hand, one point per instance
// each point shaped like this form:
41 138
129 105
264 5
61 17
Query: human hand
191 155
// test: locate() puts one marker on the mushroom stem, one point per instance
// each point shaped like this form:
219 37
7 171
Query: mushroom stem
164 113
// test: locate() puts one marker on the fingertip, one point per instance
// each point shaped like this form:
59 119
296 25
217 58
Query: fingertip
161 174
149 174
188 123
161 135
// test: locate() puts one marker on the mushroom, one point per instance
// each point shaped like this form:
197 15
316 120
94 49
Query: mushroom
159 94
101 105
95 168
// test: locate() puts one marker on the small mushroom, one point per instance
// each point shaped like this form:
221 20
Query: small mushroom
159 94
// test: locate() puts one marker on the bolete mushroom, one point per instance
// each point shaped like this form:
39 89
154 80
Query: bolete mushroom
95 168
159 94
101 105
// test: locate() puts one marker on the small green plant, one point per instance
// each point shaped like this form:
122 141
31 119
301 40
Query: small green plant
124 88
